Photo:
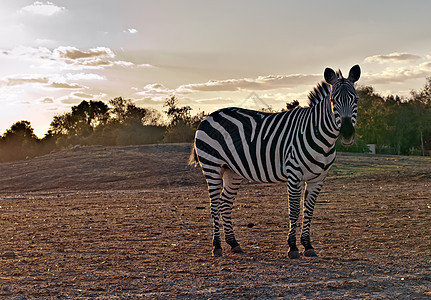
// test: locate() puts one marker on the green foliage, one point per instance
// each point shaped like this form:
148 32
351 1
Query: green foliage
179 133
267 109
177 114
82 120
19 142
125 112
395 125
118 123
182 124
291 105
358 147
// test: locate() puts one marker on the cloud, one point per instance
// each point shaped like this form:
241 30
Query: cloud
77 97
93 58
216 101
82 95
396 68
99 57
122 63
70 100
47 100
131 31
76 54
68 58
26 53
147 101
392 57
51 80
24 79
156 88
156 91
42 9
426 65
145 66
398 75
64 85
84 76
267 82
45 42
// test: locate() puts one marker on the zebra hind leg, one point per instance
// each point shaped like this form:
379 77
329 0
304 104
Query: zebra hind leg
231 184
215 185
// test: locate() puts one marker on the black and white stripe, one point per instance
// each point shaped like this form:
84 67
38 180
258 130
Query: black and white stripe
297 147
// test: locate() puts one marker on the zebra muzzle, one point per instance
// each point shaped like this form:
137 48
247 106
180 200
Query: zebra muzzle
347 131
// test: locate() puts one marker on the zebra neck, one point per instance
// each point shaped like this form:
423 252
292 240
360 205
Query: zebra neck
323 124
329 114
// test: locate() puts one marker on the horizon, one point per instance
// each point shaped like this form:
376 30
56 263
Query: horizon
209 55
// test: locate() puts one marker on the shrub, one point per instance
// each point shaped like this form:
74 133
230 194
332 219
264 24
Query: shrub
358 147
179 133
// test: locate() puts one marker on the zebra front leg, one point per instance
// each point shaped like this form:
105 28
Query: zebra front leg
231 184
294 191
311 192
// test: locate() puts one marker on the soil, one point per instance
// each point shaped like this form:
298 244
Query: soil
133 222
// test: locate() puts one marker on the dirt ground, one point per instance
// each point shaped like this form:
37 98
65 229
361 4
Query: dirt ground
133 222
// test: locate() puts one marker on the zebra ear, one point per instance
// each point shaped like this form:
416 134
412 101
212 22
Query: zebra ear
330 76
354 73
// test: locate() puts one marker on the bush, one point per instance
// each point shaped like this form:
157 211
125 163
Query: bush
179 133
358 147
139 135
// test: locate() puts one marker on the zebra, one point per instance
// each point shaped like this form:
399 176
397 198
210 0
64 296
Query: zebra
296 146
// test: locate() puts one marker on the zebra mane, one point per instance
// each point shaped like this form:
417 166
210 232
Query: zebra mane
319 93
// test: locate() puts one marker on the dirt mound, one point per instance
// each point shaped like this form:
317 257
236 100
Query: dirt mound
101 168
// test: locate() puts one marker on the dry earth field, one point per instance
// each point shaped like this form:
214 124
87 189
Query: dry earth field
133 222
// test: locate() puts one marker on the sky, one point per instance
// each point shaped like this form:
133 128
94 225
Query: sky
209 54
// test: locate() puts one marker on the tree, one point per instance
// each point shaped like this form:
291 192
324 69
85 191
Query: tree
130 124
421 104
83 119
93 113
182 124
372 125
119 109
402 132
18 142
124 111
61 125
175 113
152 117
394 124
292 105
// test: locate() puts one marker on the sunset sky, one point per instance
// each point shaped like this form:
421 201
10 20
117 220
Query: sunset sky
210 54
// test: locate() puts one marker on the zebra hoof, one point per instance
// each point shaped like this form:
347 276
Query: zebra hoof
294 254
310 253
237 249
217 252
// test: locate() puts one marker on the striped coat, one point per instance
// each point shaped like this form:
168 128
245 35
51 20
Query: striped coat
297 147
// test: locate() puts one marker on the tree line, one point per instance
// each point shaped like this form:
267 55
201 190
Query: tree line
118 123
395 125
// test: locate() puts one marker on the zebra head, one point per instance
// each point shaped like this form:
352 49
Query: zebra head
344 100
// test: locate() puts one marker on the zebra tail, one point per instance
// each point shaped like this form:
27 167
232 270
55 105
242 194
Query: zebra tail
193 159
